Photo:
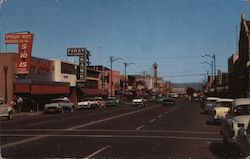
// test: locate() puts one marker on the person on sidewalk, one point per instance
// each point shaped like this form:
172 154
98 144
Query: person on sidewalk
19 104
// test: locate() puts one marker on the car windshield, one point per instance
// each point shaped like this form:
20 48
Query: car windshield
224 104
241 110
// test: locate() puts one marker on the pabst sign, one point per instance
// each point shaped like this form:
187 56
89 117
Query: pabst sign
24 42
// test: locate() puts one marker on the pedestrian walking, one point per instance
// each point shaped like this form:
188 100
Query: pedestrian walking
19 104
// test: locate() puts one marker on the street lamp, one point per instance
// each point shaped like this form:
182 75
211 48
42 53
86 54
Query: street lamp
214 62
112 59
5 68
248 66
125 67
211 64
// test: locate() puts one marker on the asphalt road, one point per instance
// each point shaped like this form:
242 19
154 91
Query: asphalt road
154 131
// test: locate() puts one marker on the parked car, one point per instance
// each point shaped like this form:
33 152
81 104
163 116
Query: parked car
237 118
208 105
139 101
101 102
221 108
243 141
112 101
168 101
88 103
59 105
5 109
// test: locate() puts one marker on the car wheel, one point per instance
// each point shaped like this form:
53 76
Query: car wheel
10 115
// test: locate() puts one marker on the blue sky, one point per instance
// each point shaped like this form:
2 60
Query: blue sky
172 33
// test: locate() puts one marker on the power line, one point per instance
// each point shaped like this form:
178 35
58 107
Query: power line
186 75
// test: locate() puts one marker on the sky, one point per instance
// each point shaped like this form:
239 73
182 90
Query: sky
173 33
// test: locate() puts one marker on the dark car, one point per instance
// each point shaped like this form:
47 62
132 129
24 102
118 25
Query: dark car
168 101
112 101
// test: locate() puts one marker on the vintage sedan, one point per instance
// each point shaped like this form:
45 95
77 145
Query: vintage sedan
237 118
139 101
5 109
243 141
101 102
221 109
208 105
88 103
167 101
112 101
59 105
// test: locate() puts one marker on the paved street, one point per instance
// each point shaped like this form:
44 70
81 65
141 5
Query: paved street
154 131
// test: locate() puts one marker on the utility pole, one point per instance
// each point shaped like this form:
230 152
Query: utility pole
5 68
125 73
112 59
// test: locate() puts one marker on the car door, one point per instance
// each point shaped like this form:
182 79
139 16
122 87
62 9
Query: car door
3 108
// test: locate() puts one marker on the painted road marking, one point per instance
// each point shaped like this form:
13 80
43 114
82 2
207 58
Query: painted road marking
110 130
78 126
160 115
97 152
140 127
116 136
151 121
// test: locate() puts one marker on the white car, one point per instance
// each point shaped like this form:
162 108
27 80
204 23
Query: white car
59 105
5 109
221 108
238 117
139 101
89 103
243 140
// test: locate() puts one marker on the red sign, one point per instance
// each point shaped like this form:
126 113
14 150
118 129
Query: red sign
24 42
18 38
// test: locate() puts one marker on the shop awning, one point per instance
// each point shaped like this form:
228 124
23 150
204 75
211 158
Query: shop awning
91 92
41 89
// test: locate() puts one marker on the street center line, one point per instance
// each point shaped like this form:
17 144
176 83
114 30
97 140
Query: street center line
160 115
76 127
151 121
139 127
112 130
97 152
122 136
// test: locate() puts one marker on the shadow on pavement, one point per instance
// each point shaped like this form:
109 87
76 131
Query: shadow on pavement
220 150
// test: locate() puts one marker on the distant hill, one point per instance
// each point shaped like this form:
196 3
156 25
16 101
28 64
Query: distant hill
185 85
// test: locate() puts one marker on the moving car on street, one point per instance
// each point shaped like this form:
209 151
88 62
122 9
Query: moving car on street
112 101
208 105
59 105
139 101
159 99
237 118
5 109
167 101
88 103
221 109
243 141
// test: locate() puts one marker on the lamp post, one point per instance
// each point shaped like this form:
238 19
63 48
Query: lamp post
5 68
248 66
125 67
211 64
112 59
214 62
